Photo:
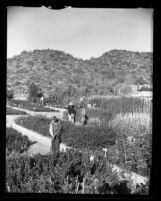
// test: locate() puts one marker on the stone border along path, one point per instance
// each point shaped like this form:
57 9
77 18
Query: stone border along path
43 144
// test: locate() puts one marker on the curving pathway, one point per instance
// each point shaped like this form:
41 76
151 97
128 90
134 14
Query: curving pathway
43 143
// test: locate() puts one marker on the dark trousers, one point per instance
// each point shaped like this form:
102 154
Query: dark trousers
55 146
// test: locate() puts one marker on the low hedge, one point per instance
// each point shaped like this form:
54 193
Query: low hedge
75 136
16 142
30 106
11 111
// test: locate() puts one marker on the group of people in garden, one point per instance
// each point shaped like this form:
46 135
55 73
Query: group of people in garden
56 129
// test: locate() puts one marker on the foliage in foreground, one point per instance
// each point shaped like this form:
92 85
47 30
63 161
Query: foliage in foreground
135 156
72 172
15 142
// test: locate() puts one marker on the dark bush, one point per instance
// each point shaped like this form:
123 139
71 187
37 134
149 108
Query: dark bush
16 142
33 90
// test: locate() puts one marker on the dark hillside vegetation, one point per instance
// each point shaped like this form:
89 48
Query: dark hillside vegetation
58 72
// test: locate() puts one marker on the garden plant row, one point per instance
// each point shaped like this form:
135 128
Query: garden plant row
28 105
11 111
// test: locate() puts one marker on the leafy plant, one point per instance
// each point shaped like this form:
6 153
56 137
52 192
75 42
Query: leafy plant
16 142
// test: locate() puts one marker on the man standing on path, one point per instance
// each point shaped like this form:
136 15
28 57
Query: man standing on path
55 130
42 100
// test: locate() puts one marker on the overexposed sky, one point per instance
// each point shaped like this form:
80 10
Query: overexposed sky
82 32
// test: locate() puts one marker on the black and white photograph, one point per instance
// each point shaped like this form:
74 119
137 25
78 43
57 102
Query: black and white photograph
79 97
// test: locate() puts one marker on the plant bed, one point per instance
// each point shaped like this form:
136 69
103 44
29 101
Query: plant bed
11 111
120 105
30 106
72 173
15 142
138 154
107 109
132 124
75 136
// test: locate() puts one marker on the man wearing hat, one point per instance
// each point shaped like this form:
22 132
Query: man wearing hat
55 130
71 112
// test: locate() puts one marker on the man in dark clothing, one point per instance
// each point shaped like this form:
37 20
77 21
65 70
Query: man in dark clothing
71 112
84 120
55 131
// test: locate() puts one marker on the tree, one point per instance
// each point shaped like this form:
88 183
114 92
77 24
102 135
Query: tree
33 90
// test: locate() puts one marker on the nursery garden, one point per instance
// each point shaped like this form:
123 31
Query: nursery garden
125 132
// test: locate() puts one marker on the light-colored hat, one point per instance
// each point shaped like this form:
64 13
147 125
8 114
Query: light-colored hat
82 98
71 103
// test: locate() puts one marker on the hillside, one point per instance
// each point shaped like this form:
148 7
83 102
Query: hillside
54 70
